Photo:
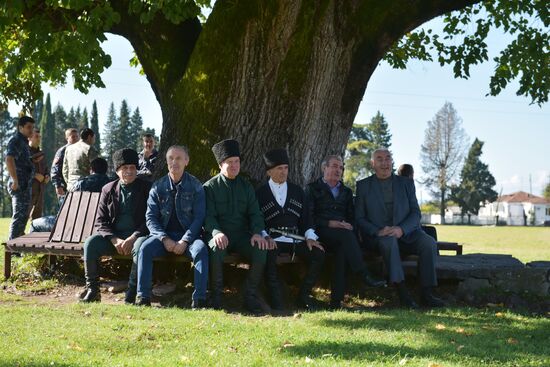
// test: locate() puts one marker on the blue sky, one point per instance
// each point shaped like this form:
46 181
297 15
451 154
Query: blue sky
516 134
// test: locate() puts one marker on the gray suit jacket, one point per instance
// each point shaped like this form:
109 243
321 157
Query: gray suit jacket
370 208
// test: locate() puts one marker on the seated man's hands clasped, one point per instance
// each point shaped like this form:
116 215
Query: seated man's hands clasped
394 231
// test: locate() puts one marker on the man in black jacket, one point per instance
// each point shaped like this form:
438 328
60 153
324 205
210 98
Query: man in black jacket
120 219
285 208
331 205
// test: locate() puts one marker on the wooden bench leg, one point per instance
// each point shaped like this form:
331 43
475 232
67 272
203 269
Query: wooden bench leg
7 264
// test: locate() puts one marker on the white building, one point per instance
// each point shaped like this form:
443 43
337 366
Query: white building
517 209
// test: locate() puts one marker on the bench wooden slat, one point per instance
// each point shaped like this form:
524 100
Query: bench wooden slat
59 226
81 217
91 213
71 216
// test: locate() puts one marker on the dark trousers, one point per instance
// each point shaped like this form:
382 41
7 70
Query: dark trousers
343 244
424 246
314 259
20 205
97 246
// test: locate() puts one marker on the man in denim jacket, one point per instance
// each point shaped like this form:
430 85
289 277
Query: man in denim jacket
175 213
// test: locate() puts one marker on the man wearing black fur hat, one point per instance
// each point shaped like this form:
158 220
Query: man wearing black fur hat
285 208
120 219
234 223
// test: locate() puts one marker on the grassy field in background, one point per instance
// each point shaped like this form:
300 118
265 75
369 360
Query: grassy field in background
525 243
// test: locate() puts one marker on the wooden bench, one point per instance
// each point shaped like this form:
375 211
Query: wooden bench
74 223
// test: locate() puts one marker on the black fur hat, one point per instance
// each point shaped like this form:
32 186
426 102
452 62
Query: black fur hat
275 157
226 149
125 156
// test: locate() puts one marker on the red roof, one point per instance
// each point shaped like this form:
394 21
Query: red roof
523 197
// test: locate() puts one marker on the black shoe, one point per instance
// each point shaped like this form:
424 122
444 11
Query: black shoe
427 299
307 303
146 302
197 304
130 297
92 295
373 282
405 299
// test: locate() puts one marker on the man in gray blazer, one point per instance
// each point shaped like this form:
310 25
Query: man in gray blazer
388 216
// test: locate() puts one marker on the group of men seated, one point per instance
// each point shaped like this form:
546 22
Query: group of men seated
177 214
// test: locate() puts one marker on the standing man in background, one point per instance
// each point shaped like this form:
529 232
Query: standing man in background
21 171
71 135
78 157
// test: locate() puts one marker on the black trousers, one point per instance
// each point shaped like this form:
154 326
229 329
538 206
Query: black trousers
343 244
314 259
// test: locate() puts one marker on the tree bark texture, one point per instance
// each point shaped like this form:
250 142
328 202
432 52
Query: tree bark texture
287 73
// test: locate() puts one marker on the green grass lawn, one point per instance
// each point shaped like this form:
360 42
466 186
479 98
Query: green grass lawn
43 334
102 335
525 243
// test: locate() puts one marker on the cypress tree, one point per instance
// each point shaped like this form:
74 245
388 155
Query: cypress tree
94 125
47 131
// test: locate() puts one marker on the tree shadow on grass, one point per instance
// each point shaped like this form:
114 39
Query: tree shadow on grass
479 338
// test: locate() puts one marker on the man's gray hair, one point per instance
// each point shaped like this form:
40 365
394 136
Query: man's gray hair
182 148
330 157
380 150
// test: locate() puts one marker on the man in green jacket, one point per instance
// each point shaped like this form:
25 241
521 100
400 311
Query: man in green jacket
234 223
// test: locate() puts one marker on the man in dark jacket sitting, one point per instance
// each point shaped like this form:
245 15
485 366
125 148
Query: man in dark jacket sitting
331 204
120 219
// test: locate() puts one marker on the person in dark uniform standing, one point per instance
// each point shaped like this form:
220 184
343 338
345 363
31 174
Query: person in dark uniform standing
21 171
234 223
41 176
388 217
285 208
331 204
56 173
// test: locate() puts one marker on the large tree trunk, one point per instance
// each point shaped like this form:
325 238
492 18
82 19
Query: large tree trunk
288 73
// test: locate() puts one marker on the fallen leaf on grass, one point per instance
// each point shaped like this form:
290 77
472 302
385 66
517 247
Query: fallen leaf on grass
309 360
75 346
461 330
129 317
440 327
185 359
434 365
297 315
512 341
403 361
288 345
499 314
327 355
213 352
87 313
232 349
459 348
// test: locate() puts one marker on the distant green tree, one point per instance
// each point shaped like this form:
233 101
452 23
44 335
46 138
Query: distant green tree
83 121
36 113
135 131
61 124
47 131
78 118
363 140
476 183
94 125
109 134
72 121
122 140
7 124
